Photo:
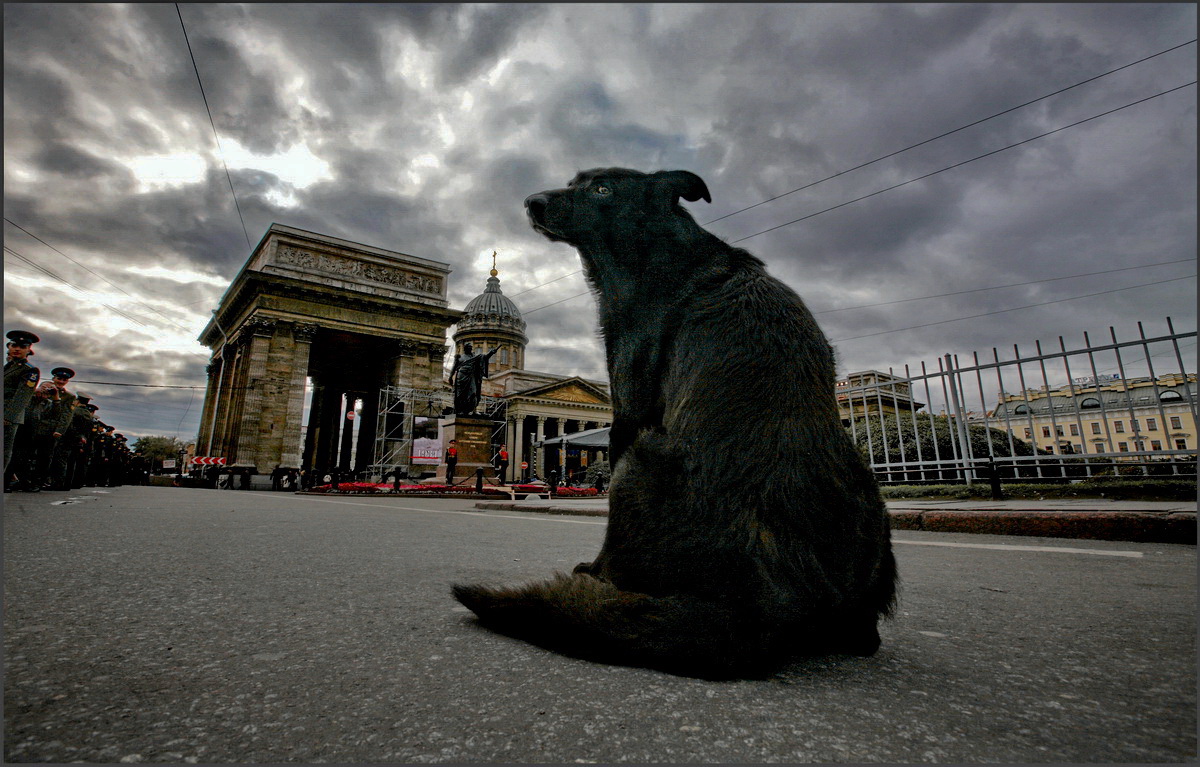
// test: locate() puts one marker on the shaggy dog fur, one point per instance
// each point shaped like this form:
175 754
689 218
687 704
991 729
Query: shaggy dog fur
744 526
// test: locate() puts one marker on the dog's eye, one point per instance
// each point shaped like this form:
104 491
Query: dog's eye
603 190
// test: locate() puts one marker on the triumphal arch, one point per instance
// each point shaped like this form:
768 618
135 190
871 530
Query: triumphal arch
353 318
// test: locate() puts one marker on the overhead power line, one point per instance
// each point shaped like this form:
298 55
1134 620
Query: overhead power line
82 291
950 132
998 287
199 82
544 284
965 162
913 146
1013 309
94 274
943 295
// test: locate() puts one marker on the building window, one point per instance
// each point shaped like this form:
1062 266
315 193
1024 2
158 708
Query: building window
1133 424
1045 431
1176 422
1140 445
1058 430
503 355
1123 447
1095 427
1155 445
1021 410
1090 402
1120 426
1151 424
1028 434
1171 396
1181 444
1074 430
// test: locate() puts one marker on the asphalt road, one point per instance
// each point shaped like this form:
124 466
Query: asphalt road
177 625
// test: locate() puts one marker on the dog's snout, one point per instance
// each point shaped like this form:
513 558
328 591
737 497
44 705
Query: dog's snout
535 205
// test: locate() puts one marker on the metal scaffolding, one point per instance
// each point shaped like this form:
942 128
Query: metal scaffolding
398 406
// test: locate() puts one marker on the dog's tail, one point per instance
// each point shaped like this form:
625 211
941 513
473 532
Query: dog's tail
586 617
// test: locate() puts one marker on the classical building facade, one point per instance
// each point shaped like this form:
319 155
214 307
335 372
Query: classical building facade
532 406
873 392
1113 415
350 317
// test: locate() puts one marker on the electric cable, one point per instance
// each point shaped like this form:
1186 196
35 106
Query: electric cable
965 162
943 295
94 274
228 178
1013 309
82 291
998 287
950 132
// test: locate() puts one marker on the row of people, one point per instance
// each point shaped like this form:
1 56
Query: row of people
53 439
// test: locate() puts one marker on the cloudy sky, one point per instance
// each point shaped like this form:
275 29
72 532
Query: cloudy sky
422 128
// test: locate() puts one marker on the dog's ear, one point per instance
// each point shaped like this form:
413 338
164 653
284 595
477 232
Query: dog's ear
685 184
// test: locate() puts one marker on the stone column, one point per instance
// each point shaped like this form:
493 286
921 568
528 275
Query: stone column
516 444
365 456
347 441
314 425
231 417
560 455
250 427
539 453
204 435
327 427
302 336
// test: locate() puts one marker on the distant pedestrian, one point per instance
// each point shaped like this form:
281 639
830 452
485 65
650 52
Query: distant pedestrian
553 481
502 463
451 461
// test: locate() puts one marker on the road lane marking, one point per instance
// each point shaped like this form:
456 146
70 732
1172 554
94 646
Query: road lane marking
1016 547
548 518
543 518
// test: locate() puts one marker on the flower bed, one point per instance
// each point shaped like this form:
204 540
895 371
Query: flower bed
389 489
562 492
576 492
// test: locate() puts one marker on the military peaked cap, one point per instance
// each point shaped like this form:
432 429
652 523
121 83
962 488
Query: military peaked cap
62 373
22 337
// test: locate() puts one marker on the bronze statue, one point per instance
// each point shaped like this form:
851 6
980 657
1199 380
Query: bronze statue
466 377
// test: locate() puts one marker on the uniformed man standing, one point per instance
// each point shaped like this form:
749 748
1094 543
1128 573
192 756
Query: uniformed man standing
52 413
69 452
82 473
20 379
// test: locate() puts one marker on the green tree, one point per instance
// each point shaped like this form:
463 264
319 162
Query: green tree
932 439
597 470
158 448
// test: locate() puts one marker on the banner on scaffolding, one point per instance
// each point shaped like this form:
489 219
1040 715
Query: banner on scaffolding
427 440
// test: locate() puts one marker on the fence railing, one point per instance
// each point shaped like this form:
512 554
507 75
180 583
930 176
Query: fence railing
1033 416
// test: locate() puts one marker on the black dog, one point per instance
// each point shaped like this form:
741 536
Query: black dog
744 526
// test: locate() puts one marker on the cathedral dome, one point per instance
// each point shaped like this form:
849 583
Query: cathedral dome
493 303
492 321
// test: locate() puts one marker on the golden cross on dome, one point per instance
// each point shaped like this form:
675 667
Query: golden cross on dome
494 272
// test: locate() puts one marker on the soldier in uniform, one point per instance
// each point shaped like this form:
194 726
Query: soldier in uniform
52 410
81 474
20 380
69 448
120 464
98 460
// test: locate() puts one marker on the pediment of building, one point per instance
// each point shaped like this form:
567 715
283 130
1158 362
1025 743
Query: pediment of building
568 390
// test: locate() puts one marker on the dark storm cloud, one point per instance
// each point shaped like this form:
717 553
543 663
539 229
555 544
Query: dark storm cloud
430 124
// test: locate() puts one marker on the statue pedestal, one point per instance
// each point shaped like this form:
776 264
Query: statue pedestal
473 437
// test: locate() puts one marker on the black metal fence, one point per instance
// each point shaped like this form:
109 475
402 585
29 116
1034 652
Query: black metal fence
1119 408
